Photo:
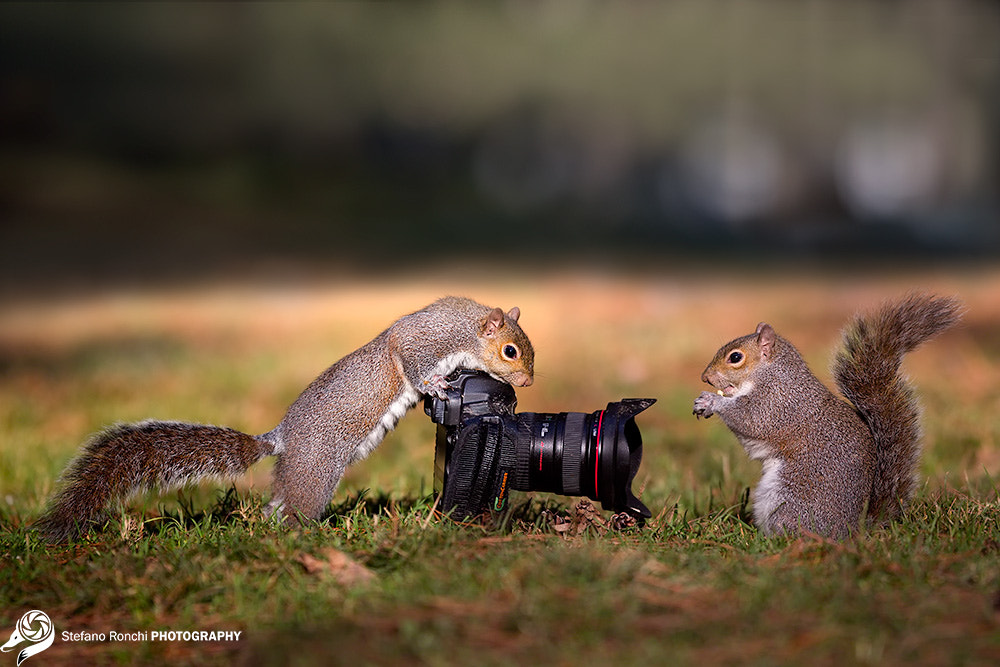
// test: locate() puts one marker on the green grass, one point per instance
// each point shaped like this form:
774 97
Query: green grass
684 589
697 585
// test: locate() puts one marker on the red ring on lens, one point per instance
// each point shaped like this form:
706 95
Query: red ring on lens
597 458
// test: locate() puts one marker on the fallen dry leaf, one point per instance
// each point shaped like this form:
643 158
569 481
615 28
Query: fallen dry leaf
336 564
585 517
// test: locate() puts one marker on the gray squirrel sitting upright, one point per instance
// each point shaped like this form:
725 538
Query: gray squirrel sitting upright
826 462
337 420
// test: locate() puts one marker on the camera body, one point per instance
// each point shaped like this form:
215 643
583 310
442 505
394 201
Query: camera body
484 449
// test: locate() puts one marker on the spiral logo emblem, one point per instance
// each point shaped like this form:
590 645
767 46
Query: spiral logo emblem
36 627
26 626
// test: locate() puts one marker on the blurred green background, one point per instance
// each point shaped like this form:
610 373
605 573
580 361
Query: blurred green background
148 142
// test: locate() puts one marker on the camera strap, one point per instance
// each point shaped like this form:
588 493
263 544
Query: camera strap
506 469
489 456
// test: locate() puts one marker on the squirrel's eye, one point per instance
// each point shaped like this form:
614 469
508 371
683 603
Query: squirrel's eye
511 352
735 358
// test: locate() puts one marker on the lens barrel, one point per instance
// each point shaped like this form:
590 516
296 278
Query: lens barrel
577 454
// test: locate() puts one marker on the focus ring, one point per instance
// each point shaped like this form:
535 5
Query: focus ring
572 453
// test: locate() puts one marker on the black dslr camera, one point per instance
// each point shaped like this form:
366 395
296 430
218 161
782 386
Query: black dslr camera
484 450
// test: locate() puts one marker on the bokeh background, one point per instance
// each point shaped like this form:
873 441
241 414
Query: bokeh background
202 205
163 142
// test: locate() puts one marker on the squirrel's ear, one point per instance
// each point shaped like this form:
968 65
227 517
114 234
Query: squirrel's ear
493 323
765 339
514 313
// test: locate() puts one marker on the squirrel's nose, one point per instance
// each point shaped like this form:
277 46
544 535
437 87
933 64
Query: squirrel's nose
704 378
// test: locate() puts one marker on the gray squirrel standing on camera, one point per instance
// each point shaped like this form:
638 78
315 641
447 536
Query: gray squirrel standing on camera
337 420
828 463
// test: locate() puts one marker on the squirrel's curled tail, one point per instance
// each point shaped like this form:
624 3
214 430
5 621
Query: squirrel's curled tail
867 372
131 458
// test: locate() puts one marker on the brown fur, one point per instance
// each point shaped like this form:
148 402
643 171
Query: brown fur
132 458
867 373
828 463
338 419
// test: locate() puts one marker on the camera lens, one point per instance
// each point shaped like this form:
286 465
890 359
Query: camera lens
577 454
484 449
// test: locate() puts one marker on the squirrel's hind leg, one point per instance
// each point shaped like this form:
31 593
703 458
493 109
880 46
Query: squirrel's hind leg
302 489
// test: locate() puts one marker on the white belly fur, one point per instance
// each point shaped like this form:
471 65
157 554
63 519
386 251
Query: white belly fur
408 398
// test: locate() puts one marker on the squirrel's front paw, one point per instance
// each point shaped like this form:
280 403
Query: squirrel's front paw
437 386
704 405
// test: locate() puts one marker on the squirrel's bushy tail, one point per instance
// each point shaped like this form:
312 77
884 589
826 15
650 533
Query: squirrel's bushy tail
131 458
867 372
